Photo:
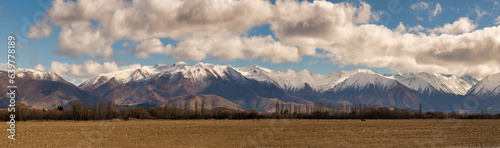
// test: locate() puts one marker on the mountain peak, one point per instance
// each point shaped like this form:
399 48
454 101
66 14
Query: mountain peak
181 63
204 65
489 86
432 83
363 70
469 79
306 71
38 75
360 80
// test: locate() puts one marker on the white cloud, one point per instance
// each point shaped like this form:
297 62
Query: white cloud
401 28
125 44
417 28
420 18
140 20
225 48
3 66
40 67
377 46
146 20
41 29
419 6
348 43
437 10
462 25
147 47
236 47
86 69
497 21
480 12
316 24
80 38
217 28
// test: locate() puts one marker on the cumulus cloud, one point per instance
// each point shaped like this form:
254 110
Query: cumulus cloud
80 38
86 69
462 25
377 46
41 29
317 24
40 67
140 20
151 46
419 6
4 66
236 47
417 28
144 21
348 43
401 28
217 28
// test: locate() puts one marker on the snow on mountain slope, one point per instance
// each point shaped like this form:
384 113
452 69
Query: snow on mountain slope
294 80
197 73
38 75
429 83
489 86
121 77
132 74
201 71
341 76
469 79
361 80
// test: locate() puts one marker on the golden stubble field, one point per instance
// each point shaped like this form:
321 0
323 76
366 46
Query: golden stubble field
256 133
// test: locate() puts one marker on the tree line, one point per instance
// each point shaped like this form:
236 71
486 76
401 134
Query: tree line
322 110
106 110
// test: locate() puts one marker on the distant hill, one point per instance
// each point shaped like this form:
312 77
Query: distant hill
47 90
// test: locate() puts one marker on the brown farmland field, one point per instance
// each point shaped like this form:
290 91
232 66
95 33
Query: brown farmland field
255 133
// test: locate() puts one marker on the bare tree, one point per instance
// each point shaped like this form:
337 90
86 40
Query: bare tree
186 108
202 109
165 110
277 108
196 109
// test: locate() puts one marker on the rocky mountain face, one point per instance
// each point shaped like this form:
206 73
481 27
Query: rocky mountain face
259 88
47 90
485 95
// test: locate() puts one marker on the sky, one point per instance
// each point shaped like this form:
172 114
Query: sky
79 39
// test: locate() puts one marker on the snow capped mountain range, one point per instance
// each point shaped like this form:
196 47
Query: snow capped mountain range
487 87
429 83
292 81
38 75
40 89
255 87
196 73
364 79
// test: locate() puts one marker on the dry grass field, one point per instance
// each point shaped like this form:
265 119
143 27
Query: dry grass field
256 133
